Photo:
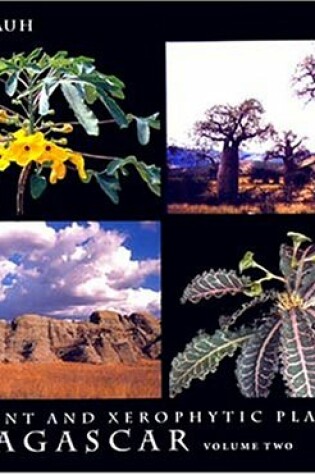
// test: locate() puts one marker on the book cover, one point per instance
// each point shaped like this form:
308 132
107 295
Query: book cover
156 237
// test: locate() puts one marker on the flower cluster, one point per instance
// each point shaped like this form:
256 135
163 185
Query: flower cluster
25 148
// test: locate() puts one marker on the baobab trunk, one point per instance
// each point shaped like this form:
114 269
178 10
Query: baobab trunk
228 174
289 171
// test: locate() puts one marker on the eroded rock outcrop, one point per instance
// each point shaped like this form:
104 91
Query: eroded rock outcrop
107 338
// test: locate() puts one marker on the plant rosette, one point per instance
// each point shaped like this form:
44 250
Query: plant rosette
280 340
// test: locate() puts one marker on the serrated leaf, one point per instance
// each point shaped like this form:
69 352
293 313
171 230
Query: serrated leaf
38 185
215 284
259 360
113 108
298 355
143 130
202 356
12 83
84 115
225 321
110 185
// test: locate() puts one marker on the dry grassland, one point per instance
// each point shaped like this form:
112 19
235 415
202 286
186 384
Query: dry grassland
79 381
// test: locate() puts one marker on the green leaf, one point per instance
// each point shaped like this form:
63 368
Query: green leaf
154 122
259 359
48 87
89 175
113 108
34 54
115 165
110 185
298 238
38 185
114 81
84 115
11 84
43 105
214 283
254 290
3 66
143 130
90 93
151 174
247 261
298 343
143 126
203 356
33 68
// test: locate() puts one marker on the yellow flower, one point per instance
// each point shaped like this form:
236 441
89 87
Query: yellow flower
4 163
52 153
58 172
26 148
78 160
4 116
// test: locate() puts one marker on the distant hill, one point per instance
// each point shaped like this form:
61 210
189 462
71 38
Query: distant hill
181 157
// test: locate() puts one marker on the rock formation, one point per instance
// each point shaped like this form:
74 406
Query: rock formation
107 338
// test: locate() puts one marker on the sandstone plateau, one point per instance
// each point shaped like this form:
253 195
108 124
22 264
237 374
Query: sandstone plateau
106 338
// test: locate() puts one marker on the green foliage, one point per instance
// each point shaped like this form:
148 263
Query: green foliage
215 284
285 338
203 356
84 115
110 185
259 360
38 185
32 79
298 355
150 174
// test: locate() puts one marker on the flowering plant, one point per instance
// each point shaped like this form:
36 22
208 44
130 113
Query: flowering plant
29 140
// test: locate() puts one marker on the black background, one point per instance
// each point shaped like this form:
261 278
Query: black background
122 43
128 39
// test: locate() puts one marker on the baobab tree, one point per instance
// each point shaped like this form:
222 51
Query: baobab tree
291 150
232 126
304 78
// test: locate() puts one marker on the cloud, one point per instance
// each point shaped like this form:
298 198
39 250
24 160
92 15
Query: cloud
71 271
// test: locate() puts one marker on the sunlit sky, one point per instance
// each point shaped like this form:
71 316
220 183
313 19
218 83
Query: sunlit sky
70 269
202 74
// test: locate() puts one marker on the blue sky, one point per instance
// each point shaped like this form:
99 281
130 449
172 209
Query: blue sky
72 268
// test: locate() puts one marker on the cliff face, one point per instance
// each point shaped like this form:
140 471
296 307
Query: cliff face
107 338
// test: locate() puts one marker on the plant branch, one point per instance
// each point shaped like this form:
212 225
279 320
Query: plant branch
21 189
99 157
11 111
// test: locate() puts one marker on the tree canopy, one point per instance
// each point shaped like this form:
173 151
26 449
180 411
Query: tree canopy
235 124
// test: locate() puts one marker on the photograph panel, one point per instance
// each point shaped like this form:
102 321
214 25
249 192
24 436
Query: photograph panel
80 310
80 117
240 120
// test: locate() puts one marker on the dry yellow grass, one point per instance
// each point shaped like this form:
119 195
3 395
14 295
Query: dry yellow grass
280 208
79 381
254 198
